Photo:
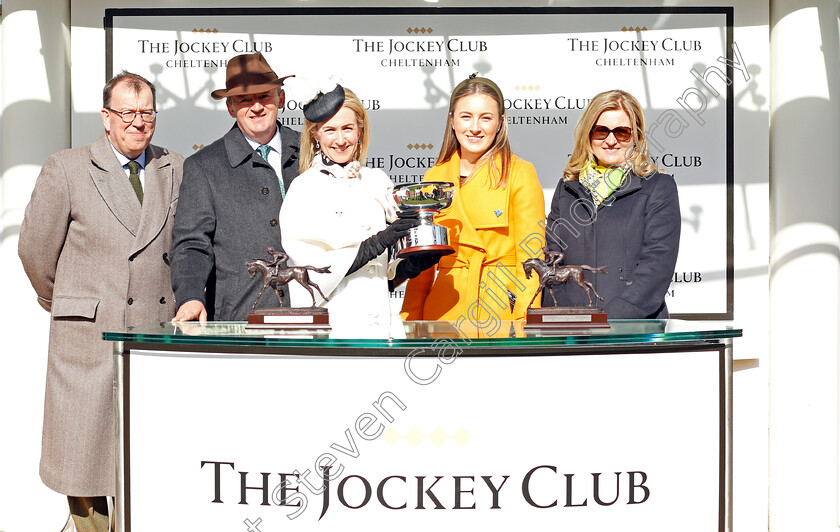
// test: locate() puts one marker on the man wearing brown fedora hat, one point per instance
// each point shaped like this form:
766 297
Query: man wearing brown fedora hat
230 198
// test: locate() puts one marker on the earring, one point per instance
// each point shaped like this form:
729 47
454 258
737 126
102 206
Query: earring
317 145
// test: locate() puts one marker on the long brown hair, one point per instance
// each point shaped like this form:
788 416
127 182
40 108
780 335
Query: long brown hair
501 144
640 162
307 138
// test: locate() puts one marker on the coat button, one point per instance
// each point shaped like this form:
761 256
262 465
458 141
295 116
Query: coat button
265 190
130 301
163 301
273 222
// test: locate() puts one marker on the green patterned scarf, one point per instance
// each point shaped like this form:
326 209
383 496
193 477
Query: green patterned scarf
602 181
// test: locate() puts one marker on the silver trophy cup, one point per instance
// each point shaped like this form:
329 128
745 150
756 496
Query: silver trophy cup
427 198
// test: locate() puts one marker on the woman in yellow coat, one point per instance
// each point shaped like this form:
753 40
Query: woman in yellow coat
495 222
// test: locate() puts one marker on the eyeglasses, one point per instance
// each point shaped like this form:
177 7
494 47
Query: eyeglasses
128 116
622 134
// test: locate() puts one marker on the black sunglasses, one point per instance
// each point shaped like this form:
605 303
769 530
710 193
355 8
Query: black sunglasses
622 134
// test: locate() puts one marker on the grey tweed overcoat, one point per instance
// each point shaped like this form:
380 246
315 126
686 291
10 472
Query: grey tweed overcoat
98 261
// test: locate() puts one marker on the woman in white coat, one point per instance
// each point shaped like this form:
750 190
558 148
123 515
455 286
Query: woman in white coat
341 214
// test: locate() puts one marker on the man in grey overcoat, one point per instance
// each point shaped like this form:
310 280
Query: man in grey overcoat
231 197
95 243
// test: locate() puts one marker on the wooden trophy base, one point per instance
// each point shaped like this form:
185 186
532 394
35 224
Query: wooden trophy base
562 318
288 318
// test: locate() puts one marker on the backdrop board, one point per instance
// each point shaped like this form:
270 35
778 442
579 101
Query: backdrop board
679 62
253 433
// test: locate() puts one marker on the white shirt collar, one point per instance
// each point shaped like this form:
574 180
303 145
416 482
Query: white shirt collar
125 160
274 142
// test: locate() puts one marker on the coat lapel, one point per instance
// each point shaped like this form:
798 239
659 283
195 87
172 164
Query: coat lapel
291 151
586 231
239 152
157 197
113 185
237 148
634 184
467 232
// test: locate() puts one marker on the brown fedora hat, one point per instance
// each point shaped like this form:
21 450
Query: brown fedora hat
248 74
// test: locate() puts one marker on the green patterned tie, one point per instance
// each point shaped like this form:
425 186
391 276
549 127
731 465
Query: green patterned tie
263 150
134 179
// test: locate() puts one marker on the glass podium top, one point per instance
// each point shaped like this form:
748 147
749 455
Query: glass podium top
431 333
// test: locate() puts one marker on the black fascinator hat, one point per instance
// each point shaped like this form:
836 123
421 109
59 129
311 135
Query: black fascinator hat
325 105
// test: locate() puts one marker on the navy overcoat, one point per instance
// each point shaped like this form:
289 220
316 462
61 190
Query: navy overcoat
636 236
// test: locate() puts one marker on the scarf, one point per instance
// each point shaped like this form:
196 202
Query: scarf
602 181
329 167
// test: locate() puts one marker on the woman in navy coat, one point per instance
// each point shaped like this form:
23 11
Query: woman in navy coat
614 209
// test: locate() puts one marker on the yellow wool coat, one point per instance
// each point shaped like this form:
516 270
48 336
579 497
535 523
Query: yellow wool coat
493 230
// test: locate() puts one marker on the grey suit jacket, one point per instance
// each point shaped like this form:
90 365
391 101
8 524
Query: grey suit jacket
228 214
98 261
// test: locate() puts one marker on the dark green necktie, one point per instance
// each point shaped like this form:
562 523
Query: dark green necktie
263 151
134 179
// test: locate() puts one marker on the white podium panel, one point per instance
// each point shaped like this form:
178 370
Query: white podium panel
581 441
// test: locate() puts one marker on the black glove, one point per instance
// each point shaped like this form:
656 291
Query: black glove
372 247
414 265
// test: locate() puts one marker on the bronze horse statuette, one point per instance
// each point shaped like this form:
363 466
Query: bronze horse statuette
552 274
276 277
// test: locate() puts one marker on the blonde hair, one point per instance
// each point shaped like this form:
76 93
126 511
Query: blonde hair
307 138
640 162
501 143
